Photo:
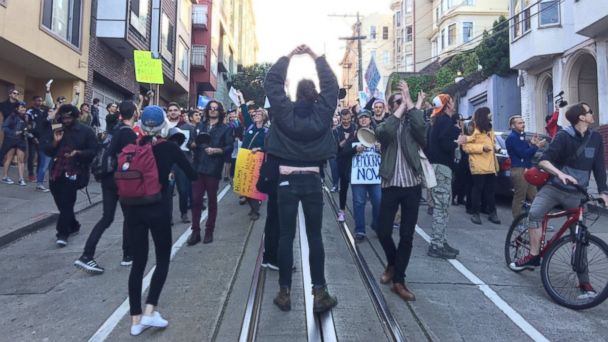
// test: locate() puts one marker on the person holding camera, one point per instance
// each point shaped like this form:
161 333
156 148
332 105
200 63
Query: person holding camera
71 149
15 135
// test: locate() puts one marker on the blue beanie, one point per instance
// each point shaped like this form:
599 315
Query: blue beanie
153 119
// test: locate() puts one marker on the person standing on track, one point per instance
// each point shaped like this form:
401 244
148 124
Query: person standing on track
301 140
344 134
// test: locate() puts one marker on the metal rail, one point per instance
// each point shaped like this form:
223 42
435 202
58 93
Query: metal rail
254 300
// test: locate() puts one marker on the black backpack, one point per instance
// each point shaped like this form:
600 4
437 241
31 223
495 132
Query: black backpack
104 164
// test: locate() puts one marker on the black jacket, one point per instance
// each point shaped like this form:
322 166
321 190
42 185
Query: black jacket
80 137
221 137
301 132
441 144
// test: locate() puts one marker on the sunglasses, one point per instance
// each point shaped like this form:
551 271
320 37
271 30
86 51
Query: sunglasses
399 101
15 93
212 108
589 112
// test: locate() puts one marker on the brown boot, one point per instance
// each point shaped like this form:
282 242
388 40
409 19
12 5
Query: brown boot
283 299
388 274
208 237
323 301
403 292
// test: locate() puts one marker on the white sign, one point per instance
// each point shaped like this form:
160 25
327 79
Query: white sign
365 166
234 96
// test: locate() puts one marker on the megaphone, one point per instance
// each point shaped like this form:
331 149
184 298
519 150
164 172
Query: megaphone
367 137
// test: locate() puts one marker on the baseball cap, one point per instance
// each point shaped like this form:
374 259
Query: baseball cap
363 113
439 103
153 119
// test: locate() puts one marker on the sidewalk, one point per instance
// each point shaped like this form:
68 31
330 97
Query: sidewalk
24 210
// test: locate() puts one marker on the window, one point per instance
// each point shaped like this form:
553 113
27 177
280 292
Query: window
199 55
452 34
386 56
63 18
185 12
385 32
434 51
372 32
526 23
442 39
549 12
467 31
436 15
408 6
469 2
409 35
139 15
398 18
167 33
409 63
183 62
199 14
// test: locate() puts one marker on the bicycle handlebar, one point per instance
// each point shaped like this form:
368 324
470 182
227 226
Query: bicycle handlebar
588 197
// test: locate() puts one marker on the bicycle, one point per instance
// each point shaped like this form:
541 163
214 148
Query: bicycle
566 257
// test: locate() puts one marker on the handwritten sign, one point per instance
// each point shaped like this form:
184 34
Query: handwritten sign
147 69
247 172
365 167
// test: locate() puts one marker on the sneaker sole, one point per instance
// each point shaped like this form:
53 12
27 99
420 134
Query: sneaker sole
88 269
518 269
61 244
126 263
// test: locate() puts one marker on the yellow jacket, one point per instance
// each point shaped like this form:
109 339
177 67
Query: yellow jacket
481 163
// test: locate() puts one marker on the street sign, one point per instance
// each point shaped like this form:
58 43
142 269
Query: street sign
372 76
147 69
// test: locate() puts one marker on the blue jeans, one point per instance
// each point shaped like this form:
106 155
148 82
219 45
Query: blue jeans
184 189
333 165
43 165
360 192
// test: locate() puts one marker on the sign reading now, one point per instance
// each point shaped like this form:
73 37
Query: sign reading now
366 167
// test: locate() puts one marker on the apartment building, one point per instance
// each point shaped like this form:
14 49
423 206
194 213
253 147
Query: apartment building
561 45
412 24
42 40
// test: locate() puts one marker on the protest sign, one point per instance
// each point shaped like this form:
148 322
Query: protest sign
234 96
372 76
365 166
147 69
247 172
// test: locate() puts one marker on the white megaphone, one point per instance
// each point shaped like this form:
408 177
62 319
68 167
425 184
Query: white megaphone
367 137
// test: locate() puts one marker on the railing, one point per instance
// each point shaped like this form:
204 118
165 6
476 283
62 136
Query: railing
199 55
199 15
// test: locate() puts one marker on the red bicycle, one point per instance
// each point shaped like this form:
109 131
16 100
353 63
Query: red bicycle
574 268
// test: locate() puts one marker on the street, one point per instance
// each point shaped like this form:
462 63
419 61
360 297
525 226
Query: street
474 298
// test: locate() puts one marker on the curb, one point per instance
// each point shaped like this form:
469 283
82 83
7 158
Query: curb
40 222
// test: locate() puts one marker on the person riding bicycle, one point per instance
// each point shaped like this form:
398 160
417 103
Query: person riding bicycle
571 156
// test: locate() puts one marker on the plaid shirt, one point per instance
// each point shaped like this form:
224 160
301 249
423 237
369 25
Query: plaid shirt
63 165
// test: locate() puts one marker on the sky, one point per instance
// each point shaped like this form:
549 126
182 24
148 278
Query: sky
284 24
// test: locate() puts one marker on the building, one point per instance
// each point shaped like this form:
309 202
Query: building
42 40
561 46
223 38
412 24
122 26
349 81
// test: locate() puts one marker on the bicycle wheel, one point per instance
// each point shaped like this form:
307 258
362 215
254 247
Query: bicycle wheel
517 243
562 283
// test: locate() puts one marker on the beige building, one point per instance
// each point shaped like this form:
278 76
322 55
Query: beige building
40 40
247 37
412 24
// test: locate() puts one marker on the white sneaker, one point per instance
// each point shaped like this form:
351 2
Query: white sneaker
7 180
155 320
137 329
22 182
341 216
61 243
42 188
270 266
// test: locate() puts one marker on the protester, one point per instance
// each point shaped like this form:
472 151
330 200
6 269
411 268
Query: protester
209 159
521 152
15 143
7 108
362 191
156 219
33 116
441 150
401 135
72 150
111 119
380 114
95 120
85 115
122 135
343 135
481 149
570 158
333 165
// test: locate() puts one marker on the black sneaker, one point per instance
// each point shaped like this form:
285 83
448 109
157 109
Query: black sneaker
450 249
126 261
88 265
527 262
475 219
440 252
360 237
283 299
323 301
62 242
494 218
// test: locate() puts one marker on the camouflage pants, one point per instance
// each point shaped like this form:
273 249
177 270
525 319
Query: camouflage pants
442 197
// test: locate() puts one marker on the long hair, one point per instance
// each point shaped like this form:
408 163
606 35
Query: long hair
220 108
481 120
306 90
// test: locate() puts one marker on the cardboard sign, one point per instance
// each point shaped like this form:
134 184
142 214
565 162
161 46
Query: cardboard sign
365 167
247 172
147 69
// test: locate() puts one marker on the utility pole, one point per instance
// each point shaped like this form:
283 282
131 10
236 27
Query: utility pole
358 38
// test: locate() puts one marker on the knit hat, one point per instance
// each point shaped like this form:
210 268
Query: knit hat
379 101
439 103
153 120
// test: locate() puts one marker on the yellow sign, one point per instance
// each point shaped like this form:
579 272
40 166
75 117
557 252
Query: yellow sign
247 172
147 69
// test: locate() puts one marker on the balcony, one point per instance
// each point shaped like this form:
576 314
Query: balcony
112 24
200 16
199 56
592 18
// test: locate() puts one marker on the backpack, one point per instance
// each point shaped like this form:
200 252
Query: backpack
103 163
136 176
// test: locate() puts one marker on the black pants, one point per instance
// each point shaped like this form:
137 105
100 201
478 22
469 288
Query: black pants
483 189
32 150
292 190
409 200
344 171
462 184
64 194
109 194
141 219
271 229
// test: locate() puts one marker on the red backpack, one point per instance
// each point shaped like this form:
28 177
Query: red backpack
137 176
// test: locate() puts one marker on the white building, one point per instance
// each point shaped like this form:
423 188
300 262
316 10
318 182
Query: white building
560 45
378 28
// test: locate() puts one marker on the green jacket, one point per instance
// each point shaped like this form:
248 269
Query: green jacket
413 138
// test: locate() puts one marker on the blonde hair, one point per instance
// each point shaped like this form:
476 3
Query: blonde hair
264 114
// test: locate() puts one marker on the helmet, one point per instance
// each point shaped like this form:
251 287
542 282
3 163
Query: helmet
153 119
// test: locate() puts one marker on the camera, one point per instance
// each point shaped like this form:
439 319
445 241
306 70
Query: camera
559 100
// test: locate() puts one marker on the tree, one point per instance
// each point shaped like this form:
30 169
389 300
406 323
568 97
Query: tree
250 82
493 51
